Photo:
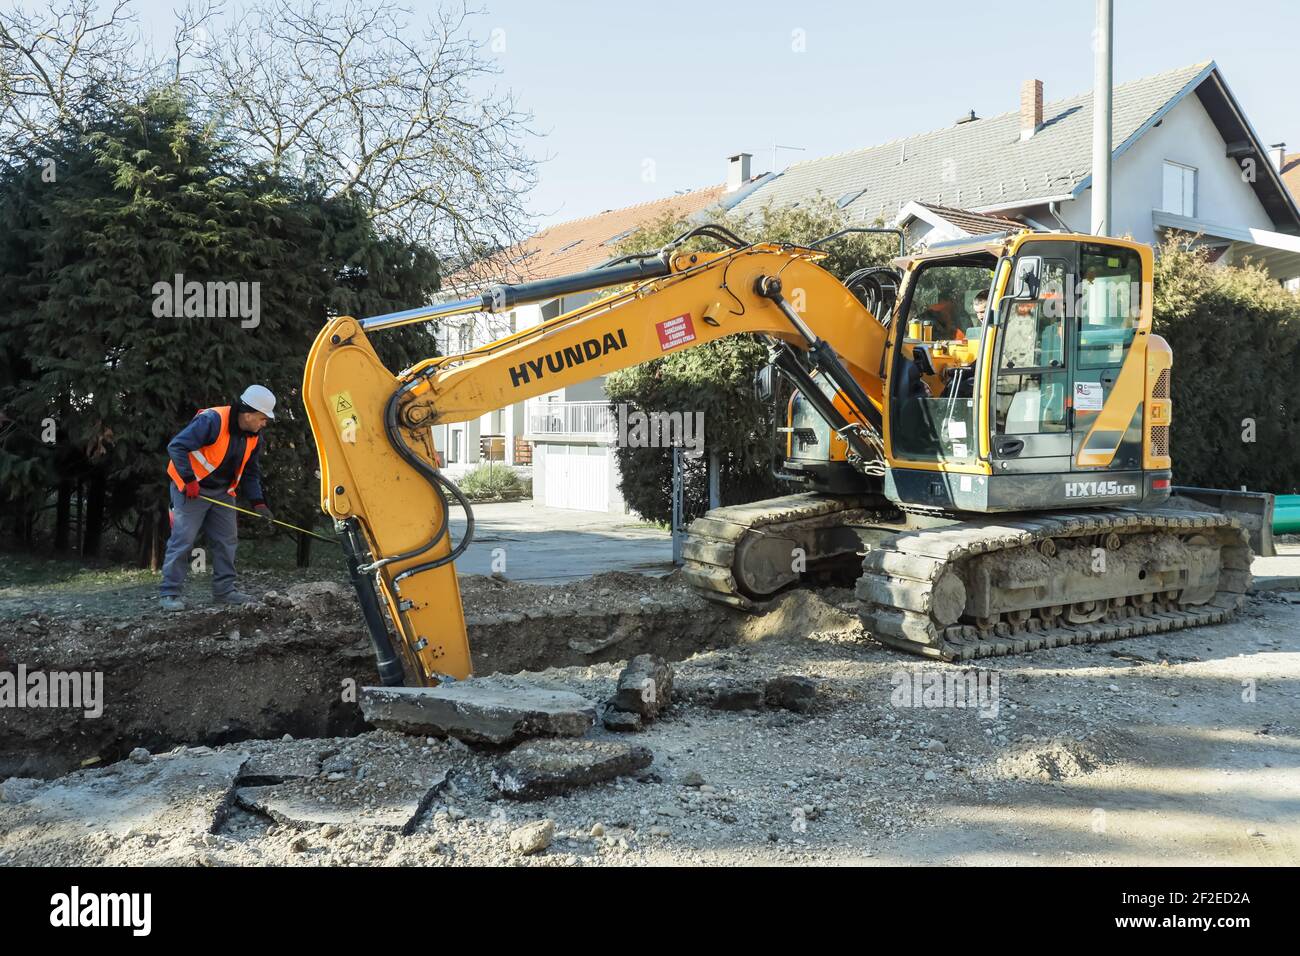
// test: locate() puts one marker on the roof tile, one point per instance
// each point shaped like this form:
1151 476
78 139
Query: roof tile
585 243
980 164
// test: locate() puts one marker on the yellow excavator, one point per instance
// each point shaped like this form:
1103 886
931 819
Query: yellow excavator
980 435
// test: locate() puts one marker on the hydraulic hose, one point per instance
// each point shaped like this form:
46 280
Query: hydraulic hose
392 430
440 484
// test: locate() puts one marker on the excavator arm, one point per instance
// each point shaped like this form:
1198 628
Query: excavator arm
380 479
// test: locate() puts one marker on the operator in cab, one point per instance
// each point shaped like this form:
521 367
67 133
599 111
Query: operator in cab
212 457
980 307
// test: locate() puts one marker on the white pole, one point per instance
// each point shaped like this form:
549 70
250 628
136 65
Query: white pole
679 506
1103 69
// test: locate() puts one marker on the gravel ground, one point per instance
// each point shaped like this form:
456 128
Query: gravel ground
1172 749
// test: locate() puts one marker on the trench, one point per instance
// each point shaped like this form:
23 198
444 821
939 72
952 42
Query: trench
222 676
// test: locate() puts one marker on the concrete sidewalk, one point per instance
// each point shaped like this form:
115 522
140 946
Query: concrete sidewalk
549 545
1278 573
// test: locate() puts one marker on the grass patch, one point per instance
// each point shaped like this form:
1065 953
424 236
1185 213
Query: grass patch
21 571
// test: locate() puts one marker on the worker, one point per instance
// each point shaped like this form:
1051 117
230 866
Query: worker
979 310
212 457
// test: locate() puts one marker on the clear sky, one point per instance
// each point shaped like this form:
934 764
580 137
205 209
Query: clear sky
638 100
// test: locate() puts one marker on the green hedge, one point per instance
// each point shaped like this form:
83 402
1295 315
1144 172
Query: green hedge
490 481
1235 333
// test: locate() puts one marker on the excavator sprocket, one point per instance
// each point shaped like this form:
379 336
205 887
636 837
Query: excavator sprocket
999 586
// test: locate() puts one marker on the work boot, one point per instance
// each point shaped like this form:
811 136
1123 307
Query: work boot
170 602
233 597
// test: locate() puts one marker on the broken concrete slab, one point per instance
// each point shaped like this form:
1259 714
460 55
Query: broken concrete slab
299 804
484 710
189 789
393 793
1276 582
620 721
791 692
542 768
296 760
645 687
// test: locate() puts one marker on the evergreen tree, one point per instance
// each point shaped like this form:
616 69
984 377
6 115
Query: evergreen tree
140 203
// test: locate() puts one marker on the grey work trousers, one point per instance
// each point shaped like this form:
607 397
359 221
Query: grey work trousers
189 517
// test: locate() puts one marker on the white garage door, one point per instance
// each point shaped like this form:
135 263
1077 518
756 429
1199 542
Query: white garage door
577 477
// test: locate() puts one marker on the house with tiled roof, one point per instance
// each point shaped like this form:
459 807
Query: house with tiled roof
562 440
582 244
1185 159
925 223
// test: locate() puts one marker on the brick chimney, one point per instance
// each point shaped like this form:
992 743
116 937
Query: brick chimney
737 171
1031 107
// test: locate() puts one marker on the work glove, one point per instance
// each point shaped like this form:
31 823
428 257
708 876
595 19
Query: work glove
191 489
264 512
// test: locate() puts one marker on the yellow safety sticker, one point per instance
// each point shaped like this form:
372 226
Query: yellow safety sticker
346 413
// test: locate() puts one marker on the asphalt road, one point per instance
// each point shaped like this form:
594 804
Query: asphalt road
547 545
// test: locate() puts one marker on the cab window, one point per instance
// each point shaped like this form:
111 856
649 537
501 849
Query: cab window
1029 393
943 305
1034 330
1109 303
933 380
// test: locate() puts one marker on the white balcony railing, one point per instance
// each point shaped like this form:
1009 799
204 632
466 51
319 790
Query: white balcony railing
570 419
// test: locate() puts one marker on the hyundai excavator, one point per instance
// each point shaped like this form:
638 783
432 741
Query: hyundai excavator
979 433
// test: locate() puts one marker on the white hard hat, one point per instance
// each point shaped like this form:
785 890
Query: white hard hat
259 397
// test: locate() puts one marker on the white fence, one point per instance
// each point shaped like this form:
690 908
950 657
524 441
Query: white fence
576 419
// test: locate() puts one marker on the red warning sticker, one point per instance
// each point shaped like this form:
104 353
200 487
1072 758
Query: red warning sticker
676 331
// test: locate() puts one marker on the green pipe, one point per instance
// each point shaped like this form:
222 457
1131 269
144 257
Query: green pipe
1286 514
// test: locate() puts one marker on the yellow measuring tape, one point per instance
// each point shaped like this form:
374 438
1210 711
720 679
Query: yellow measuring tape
227 504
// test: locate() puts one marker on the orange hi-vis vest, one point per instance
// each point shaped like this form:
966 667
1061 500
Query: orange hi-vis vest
209 458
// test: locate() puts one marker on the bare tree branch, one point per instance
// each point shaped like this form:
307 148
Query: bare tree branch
64 65
402 117
357 96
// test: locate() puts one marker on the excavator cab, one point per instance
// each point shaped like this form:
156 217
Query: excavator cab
1051 391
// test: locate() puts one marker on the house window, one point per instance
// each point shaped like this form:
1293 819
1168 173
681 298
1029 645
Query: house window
454 449
1179 189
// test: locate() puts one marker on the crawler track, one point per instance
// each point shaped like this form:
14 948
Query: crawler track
994 587
741 554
